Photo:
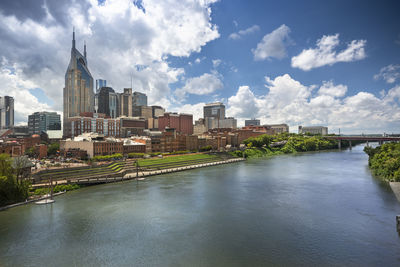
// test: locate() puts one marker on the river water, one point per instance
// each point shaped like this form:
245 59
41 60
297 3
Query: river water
306 209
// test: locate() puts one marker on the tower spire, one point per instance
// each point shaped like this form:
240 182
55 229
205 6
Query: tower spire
73 37
84 49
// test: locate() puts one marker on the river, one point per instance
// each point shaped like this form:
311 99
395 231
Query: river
307 209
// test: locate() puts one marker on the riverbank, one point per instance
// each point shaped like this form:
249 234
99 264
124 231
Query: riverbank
143 171
395 186
153 167
384 161
285 143
29 201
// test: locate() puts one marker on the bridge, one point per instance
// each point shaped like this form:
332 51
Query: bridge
367 138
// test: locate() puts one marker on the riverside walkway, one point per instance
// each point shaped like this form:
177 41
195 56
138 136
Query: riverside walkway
134 173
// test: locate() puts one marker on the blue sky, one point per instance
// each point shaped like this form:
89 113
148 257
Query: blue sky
333 63
352 20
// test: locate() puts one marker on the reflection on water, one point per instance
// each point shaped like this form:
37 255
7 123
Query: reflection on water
306 209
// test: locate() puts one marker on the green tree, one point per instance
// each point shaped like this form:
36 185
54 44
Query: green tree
53 148
384 161
31 152
11 191
19 164
5 165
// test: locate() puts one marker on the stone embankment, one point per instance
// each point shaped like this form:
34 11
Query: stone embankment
396 189
177 169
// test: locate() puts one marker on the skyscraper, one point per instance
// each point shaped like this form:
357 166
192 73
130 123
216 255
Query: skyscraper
78 90
125 103
213 114
6 112
108 102
215 110
139 99
99 84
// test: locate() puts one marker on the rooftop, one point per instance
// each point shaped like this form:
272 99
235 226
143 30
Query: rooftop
214 104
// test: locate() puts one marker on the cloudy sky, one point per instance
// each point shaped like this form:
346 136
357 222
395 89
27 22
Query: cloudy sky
333 63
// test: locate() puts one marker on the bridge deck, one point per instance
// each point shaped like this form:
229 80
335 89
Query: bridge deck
365 138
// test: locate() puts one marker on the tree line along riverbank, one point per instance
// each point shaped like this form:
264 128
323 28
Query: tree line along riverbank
286 143
384 161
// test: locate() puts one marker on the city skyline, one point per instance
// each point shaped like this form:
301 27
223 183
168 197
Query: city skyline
272 65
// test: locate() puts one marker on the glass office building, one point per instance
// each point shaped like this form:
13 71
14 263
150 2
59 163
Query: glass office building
78 90
108 102
99 84
40 122
139 99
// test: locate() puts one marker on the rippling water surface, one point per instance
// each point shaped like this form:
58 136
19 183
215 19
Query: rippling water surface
306 209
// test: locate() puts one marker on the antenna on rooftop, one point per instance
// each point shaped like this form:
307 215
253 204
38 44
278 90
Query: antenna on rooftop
84 48
73 37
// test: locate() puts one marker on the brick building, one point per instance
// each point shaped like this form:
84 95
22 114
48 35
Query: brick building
41 151
182 123
130 146
120 127
12 148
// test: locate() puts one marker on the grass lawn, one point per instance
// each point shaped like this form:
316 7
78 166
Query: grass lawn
175 159
159 163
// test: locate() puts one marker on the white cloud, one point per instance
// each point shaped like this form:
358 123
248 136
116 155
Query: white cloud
328 88
241 33
325 54
195 109
216 62
13 84
289 101
273 44
119 36
389 73
202 85
243 104
198 60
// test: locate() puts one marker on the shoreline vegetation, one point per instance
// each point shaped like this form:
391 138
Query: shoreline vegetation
384 161
12 188
286 143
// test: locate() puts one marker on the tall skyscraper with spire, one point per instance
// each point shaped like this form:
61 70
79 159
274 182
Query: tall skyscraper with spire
78 90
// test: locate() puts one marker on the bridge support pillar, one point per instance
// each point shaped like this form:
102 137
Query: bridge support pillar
380 143
350 144
367 145
339 144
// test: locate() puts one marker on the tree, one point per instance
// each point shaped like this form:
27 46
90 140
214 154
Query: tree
31 152
19 164
10 190
5 165
53 148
